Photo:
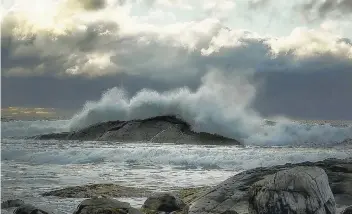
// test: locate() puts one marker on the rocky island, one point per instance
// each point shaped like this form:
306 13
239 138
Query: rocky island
160 129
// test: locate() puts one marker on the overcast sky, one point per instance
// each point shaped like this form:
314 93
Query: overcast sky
61 53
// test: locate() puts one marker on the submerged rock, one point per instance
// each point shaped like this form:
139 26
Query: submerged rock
11 203
164 202
161 129
233 193
105 205
95 190
297 190
29 209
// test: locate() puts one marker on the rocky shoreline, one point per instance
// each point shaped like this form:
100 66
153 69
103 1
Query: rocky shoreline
308 187
160 129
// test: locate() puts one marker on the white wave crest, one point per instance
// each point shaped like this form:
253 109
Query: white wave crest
220 105
154 155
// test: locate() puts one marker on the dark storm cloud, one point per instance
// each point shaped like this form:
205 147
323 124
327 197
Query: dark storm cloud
45 52
62 54
326 94
324 8
324 81
158 59
101 48
313 9
44 68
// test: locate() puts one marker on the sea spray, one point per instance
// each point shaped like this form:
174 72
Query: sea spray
218 105
221 105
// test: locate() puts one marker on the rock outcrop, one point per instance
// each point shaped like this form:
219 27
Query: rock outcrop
29 209
347 210
96 190
161 129
11 203
188 195
105 205
297 190
233 193
164 202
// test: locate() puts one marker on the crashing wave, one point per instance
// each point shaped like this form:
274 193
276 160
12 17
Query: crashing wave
221 105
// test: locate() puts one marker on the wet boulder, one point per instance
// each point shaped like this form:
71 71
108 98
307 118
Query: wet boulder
29 209
233 193
297 190
105 205
164 202
348 210
11 203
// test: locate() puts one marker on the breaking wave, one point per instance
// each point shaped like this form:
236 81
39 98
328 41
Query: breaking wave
147 154
221 105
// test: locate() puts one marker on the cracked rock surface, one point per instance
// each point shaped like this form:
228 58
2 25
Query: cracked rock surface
300 190
233 193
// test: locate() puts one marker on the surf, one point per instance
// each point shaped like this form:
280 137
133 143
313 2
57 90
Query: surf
221 105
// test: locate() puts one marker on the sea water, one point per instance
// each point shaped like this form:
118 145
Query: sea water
31 167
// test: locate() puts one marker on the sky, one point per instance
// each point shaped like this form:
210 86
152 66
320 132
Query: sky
61 53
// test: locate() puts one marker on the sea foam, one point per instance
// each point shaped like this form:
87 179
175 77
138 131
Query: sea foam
221 105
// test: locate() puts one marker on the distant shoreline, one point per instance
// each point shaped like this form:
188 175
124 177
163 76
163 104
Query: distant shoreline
7 119
31 114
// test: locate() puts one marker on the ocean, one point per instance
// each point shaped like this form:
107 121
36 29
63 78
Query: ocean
31 167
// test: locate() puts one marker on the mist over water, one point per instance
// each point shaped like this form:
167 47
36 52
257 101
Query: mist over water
22 128
221 105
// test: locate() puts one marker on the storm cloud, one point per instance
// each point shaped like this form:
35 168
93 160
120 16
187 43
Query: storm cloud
324 8
69 53
105 48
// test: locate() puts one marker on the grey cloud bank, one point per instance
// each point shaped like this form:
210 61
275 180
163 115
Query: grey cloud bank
325 8
89 46
314 95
